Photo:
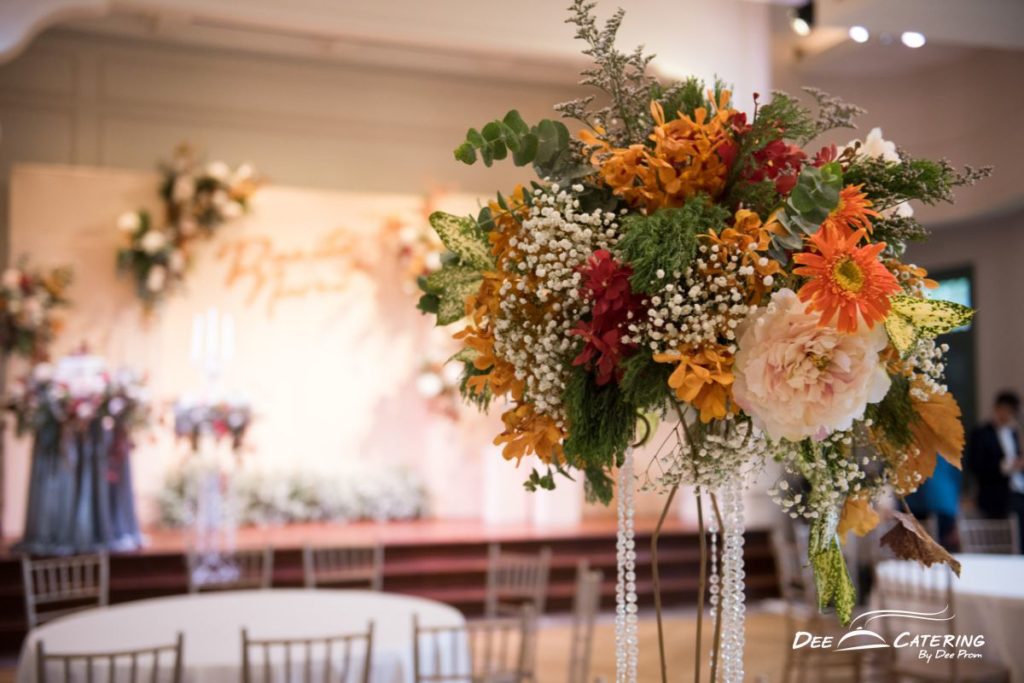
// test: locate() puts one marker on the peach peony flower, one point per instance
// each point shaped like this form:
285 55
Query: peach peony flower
798 378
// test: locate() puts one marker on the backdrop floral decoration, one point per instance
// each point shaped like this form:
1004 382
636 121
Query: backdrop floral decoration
682 259
198 199
29 301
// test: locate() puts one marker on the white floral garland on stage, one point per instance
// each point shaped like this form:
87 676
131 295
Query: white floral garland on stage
360 492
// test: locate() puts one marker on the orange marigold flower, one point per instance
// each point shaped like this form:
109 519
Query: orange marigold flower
481 308
853 212
702 378
845 279
749 238
683 162
912 278
529 432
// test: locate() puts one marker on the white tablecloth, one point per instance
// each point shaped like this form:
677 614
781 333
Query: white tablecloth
988 599
212 624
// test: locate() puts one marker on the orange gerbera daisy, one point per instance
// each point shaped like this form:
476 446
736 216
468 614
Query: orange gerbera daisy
845 279
853 212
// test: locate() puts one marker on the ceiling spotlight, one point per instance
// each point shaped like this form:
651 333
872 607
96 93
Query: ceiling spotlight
912 39
802 20
859 34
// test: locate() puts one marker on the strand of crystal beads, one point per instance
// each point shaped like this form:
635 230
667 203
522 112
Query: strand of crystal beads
732 608
626 641
713 580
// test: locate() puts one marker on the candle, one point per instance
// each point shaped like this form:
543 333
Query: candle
212 330
227 337
197 339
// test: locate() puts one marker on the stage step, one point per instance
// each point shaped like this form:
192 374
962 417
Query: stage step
451 571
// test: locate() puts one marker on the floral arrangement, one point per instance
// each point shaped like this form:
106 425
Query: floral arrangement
198 199
363 492
680 258
227 417
28 300
438 383
417 249
78 391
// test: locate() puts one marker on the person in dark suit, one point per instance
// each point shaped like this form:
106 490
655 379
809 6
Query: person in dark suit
995 459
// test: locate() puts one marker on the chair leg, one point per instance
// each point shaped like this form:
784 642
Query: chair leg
787 666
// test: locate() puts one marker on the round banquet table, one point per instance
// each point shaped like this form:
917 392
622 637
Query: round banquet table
212 624
988 598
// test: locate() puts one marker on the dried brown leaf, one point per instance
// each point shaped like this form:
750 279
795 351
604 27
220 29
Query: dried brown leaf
909 541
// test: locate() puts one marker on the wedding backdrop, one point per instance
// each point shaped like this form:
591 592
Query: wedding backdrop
324 342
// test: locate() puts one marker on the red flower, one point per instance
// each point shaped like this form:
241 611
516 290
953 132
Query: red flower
826 155
606 287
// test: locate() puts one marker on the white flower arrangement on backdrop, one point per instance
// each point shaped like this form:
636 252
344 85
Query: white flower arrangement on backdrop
198 199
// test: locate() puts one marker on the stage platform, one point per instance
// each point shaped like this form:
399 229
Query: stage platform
441 560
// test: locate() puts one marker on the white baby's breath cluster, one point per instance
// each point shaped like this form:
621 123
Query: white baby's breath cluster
726 450
541 300
834 473
700 307
927 363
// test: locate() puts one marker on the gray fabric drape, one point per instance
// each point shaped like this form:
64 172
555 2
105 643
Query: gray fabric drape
80 492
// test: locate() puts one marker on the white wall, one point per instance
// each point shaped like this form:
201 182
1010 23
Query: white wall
74 98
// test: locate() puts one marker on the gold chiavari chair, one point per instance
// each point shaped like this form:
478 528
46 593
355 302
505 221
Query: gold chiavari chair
586 604
126 666
238 570
997 536
796 585
61 585
343 566
492 650
343 659
516 578
910 587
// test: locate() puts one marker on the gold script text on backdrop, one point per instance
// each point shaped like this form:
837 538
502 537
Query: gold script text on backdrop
281 273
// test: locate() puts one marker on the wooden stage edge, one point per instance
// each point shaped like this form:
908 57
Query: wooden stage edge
162 541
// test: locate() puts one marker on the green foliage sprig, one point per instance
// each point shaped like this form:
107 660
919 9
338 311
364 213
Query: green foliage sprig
603 425
665 241
622 77
890 183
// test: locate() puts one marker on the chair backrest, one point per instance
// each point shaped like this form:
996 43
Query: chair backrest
328 659
60 585
907 586
489 650
997 536
586 604
343 566
160 664
237 570
514 579
796 579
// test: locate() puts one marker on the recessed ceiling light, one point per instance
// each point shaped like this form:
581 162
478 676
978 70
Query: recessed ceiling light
800 26
912 39
859 34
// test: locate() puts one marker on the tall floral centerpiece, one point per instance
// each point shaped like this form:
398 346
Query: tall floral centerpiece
680 259
29 300
83 418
